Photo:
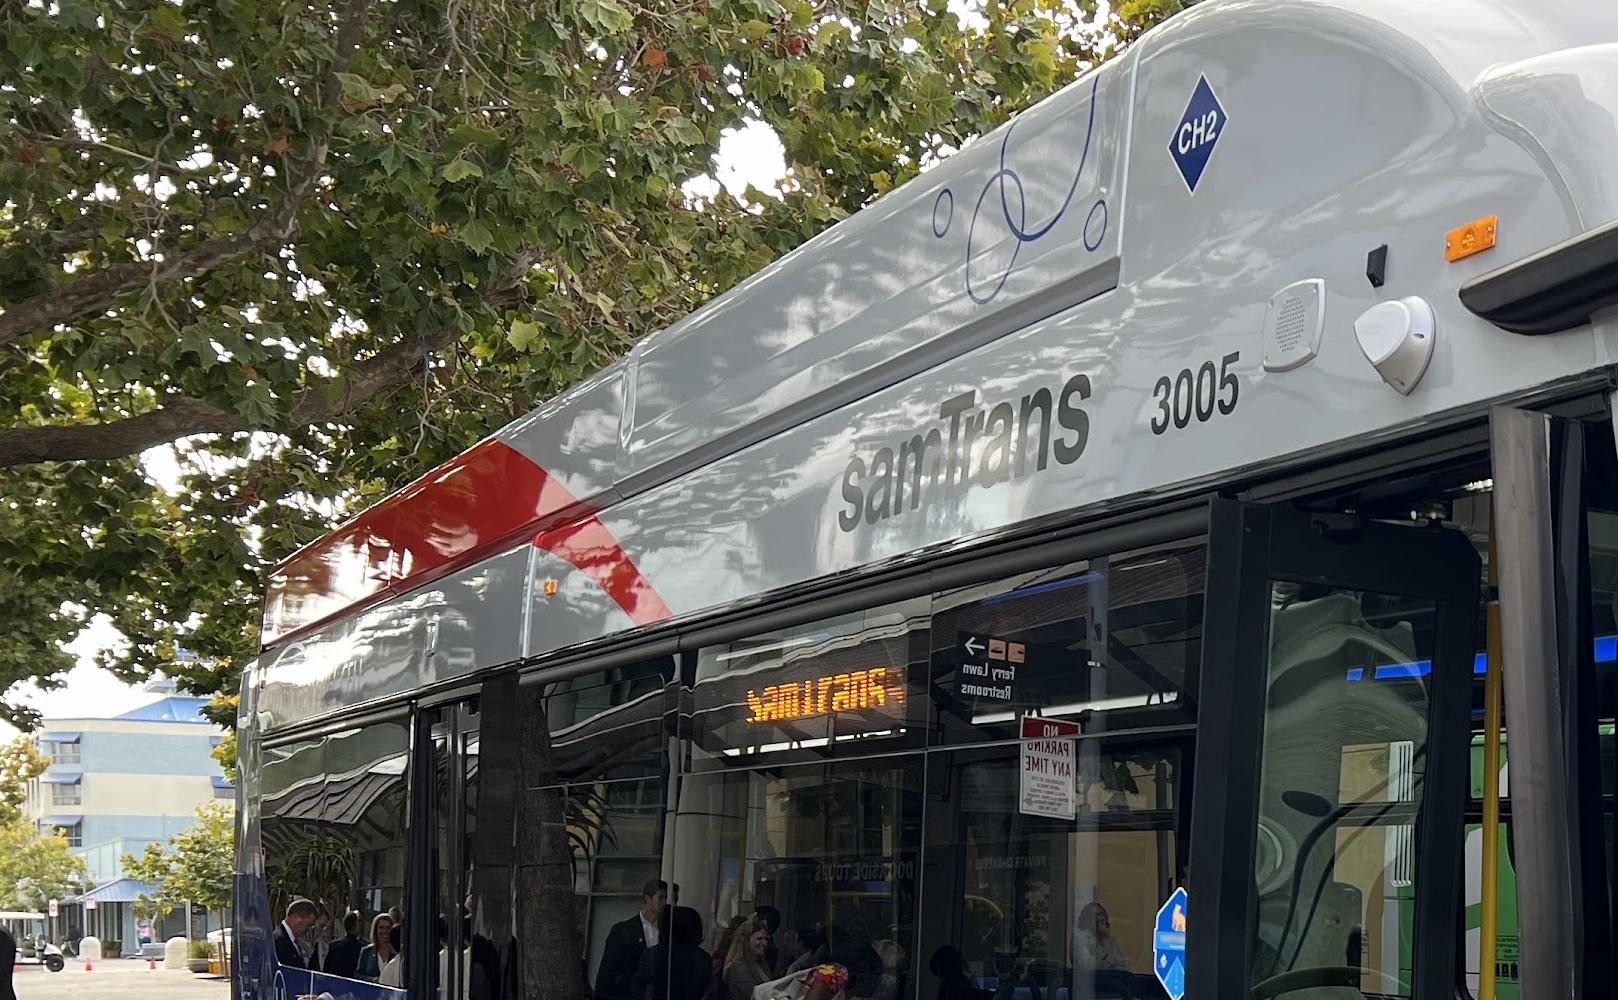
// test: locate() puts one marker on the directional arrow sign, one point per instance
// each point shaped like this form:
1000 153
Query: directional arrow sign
974 645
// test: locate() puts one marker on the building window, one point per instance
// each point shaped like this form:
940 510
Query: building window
74 834
226 792
61 752
65 795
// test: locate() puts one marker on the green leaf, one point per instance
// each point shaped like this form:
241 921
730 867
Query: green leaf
755 30
606 15
459 169
358 87
586 158
830 34
468 134
476 235
168 21
523 333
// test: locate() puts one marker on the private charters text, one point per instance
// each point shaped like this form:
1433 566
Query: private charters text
1002 438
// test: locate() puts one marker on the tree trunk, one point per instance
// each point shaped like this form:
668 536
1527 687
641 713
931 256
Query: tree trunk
224 943
552 964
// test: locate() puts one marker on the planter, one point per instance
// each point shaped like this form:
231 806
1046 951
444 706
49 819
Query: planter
214 967
198 964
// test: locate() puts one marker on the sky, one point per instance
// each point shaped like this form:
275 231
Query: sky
90 692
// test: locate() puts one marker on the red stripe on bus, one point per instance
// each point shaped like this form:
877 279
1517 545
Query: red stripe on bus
478 503
591 548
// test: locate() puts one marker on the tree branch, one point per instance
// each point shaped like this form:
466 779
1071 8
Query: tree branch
183 416
95 292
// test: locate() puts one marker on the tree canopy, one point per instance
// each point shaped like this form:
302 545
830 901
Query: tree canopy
341 240
20 763
195 868
35 866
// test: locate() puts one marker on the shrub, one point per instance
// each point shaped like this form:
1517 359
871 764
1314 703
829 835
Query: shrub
199 948
112 946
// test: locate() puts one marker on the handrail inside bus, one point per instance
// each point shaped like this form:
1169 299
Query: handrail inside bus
1488 922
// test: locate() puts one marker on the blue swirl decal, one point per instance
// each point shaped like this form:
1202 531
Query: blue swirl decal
1007 179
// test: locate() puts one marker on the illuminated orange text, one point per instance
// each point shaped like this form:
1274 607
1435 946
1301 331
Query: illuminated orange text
855 691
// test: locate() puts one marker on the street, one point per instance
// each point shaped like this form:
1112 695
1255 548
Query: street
114 979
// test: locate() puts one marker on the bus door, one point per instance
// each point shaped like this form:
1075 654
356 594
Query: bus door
452 732
1326 852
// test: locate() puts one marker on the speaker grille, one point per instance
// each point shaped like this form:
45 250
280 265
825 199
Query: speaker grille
1292 325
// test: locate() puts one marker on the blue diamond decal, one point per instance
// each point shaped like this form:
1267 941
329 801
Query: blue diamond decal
1196 134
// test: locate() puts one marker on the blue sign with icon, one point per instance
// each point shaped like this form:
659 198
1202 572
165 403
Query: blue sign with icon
1168 945
1196 133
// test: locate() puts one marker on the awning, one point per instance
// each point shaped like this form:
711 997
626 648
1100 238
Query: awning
59 737
124 890
220 781
62 778
59 820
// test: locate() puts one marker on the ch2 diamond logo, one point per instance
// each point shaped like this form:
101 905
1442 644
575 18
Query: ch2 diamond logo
1198 130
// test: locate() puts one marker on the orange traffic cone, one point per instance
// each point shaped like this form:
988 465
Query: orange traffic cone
87 967
151 965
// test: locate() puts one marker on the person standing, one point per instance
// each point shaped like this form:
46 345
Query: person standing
676 968
745 968
301 915
393 971
376 954
627 943
343 957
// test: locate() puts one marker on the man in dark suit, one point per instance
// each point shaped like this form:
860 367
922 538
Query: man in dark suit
343 957
301 914
627 943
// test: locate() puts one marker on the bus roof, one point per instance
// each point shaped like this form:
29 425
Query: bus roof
1166 274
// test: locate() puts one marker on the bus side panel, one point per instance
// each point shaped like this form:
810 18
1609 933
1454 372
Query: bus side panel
252 972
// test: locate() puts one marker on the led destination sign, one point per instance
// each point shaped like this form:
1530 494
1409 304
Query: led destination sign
830 695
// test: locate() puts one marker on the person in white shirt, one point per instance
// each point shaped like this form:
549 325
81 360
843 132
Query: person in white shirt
393 970
628 941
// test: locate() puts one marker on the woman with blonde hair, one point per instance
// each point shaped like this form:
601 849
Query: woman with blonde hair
376 954
745 968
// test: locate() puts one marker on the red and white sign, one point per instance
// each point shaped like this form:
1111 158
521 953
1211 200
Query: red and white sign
1036 728
89 902
1049 786
51 907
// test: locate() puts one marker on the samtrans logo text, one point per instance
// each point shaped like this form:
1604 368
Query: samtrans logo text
1005 439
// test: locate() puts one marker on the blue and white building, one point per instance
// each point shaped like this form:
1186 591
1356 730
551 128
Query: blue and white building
115 785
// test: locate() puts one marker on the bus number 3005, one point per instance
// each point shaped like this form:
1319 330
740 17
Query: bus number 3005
1195 394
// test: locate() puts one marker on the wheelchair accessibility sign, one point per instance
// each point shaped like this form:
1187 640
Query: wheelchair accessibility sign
1168 945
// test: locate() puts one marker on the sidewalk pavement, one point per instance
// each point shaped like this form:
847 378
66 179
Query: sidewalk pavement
115 979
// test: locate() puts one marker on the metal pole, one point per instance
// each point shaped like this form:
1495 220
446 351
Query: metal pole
1488 927
1533 704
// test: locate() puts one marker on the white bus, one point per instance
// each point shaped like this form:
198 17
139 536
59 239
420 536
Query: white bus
1120 508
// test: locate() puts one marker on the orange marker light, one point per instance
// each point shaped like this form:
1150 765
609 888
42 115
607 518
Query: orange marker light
1474 237
551 586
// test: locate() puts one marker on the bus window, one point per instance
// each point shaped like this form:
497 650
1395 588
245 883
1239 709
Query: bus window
823 856
844 686
1342 781
791 866
334 831
1110 639
588 821
1019 903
